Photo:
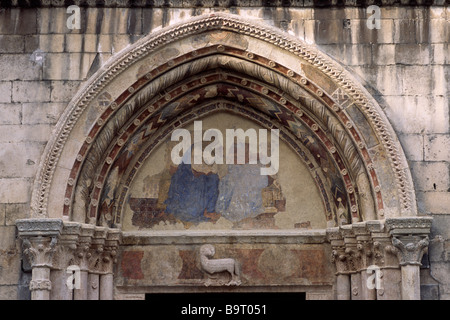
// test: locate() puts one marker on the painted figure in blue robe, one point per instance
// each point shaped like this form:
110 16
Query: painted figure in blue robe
191 196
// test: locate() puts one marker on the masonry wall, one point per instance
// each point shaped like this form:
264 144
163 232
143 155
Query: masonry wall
404 65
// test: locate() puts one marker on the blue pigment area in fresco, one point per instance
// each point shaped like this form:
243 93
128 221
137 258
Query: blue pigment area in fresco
240 192
189 196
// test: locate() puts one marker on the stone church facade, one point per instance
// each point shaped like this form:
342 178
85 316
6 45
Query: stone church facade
92 205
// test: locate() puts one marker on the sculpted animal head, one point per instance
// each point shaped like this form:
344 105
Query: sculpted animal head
207 250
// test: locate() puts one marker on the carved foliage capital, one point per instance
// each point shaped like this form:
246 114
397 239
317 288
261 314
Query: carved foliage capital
410 249
39 250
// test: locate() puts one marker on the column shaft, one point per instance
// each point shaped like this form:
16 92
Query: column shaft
106 286
411 282
343 286
93 292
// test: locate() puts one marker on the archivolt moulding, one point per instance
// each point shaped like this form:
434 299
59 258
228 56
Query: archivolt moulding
333 84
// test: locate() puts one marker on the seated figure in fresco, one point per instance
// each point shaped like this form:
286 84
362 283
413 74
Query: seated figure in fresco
192 196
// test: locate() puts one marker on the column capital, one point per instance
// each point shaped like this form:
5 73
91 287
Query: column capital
410 249
410 238
67 245
39 239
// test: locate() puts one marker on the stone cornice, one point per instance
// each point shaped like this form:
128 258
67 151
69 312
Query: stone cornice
39 227
217 3
409 225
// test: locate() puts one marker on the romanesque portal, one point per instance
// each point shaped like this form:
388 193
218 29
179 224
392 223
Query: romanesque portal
109 201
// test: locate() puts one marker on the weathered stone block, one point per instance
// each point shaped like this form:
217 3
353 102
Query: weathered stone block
431 176
360 33
53 20
415 54
440 81
45 43
412 114
121 41
437 147
74 43
436 12
383 54
433 202
12 44
64 90
67 66
386 79
104 43
308 28
439 32
18 133
10 113
439 53
16 211
112 21
410 79
396 12
41 113
31 91
350 54
9 256
405 30
18 21
5 91
23 159
19 67
15 190
331 32
51 42
2 213
339 13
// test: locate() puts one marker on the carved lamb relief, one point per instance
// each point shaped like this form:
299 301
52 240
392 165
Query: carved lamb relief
214 267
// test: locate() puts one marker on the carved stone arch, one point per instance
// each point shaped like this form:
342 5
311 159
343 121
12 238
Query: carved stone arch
228 83
340 110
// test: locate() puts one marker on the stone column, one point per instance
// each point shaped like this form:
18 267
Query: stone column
339 259
39 239
63 262
83 257
385 262
410 239
353 261
109 258
364 246
93 292
96 261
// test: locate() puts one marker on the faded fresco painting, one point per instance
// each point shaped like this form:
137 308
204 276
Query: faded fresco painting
222 196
